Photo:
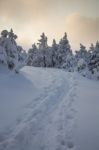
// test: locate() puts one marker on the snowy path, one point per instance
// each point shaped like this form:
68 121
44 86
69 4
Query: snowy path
48 109
50 117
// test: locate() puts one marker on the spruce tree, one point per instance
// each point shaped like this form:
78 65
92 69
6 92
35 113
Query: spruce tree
54 54
94 61
63 51
43 47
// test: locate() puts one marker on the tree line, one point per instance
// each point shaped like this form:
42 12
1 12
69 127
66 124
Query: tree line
58 55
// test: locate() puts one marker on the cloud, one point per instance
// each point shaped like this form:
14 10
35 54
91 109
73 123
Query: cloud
82 29
29 18
29 9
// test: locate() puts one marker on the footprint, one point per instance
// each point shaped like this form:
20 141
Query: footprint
70 116
73 110
70 144
72 94
63 142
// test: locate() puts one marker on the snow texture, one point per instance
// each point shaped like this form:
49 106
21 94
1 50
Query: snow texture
48 109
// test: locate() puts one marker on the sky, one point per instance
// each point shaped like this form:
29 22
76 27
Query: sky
29 18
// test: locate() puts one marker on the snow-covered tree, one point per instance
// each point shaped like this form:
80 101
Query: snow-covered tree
57 56
10 53
91 49
33 56
54 54
94 61
21 54
70 63
81 65
63 51
7 41
82 58
4 33
82 54
3 55
43 50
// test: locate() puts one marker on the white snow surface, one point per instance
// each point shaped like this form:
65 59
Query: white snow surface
48 109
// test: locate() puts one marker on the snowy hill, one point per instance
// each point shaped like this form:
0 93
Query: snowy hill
48 109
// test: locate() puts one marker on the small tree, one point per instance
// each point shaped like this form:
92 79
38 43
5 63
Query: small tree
43 47
33 56
54 54
82 53
63 50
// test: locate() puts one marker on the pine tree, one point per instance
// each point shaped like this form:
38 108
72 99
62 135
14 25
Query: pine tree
3 54
94 60
63 50
54 54
82 58
9 51
82 53
43 48
21 54
70 63
91 49
33 56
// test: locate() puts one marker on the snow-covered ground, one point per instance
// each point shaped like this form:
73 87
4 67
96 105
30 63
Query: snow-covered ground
48 109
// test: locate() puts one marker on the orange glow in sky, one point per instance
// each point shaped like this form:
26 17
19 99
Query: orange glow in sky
29 18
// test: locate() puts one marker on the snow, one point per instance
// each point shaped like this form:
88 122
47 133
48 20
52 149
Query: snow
48 109
87 104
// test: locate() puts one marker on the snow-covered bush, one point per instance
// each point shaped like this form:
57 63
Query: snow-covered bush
70 63
81 65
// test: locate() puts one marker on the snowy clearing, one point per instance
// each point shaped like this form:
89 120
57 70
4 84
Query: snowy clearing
48 109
